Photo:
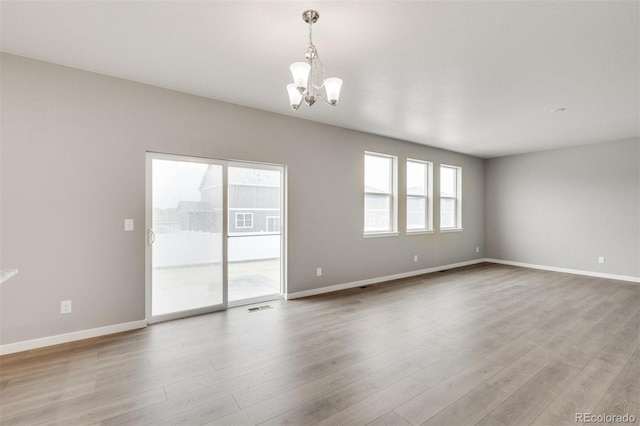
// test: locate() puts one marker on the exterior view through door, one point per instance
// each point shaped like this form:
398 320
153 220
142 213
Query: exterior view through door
215 234
255 237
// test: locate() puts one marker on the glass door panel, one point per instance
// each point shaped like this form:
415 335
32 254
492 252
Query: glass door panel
255 231
187 268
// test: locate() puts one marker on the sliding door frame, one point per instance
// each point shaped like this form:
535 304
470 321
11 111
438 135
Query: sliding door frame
150 156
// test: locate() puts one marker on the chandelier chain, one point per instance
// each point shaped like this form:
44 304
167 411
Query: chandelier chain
314 61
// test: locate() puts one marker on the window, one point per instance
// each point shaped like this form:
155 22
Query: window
273 223
244 220
419 205
450 197
380 193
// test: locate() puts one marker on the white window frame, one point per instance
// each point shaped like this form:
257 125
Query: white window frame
393 198
457 199
428 197
244 216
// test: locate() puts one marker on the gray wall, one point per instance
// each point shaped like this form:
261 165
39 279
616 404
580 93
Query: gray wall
565 208
73 167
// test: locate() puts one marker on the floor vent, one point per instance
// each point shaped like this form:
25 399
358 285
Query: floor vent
259 308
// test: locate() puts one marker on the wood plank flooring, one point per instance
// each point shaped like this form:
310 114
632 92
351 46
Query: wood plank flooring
486 344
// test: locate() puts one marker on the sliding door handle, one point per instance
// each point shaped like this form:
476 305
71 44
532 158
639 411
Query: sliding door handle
151 237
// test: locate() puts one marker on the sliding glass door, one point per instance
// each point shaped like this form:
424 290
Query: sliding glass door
185 237
214 234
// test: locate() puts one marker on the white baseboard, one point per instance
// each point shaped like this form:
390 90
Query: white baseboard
567 270
70 337
338 287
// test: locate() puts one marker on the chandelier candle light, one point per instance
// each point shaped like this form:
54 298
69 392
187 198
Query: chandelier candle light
307 74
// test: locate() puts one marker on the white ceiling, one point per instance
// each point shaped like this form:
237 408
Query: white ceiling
474 77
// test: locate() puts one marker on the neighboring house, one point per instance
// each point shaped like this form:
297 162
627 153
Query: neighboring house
197 216
254 214
165 221
376 215
254 199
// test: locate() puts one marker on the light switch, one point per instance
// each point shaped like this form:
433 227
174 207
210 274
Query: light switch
128 224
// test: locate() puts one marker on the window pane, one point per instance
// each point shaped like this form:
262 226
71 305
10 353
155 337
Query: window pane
447 213
377 174
187 221
254 195
376 212
254 243
416 213
448 183
416 178
273 224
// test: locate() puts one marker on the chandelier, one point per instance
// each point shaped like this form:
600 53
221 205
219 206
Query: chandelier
308 77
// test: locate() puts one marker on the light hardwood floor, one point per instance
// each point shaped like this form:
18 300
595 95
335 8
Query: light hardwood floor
487 345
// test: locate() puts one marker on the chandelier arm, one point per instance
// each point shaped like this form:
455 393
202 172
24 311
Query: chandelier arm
324 99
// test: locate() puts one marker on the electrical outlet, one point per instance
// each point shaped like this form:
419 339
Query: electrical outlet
415 257
319 272
477 249
601 259
65 307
